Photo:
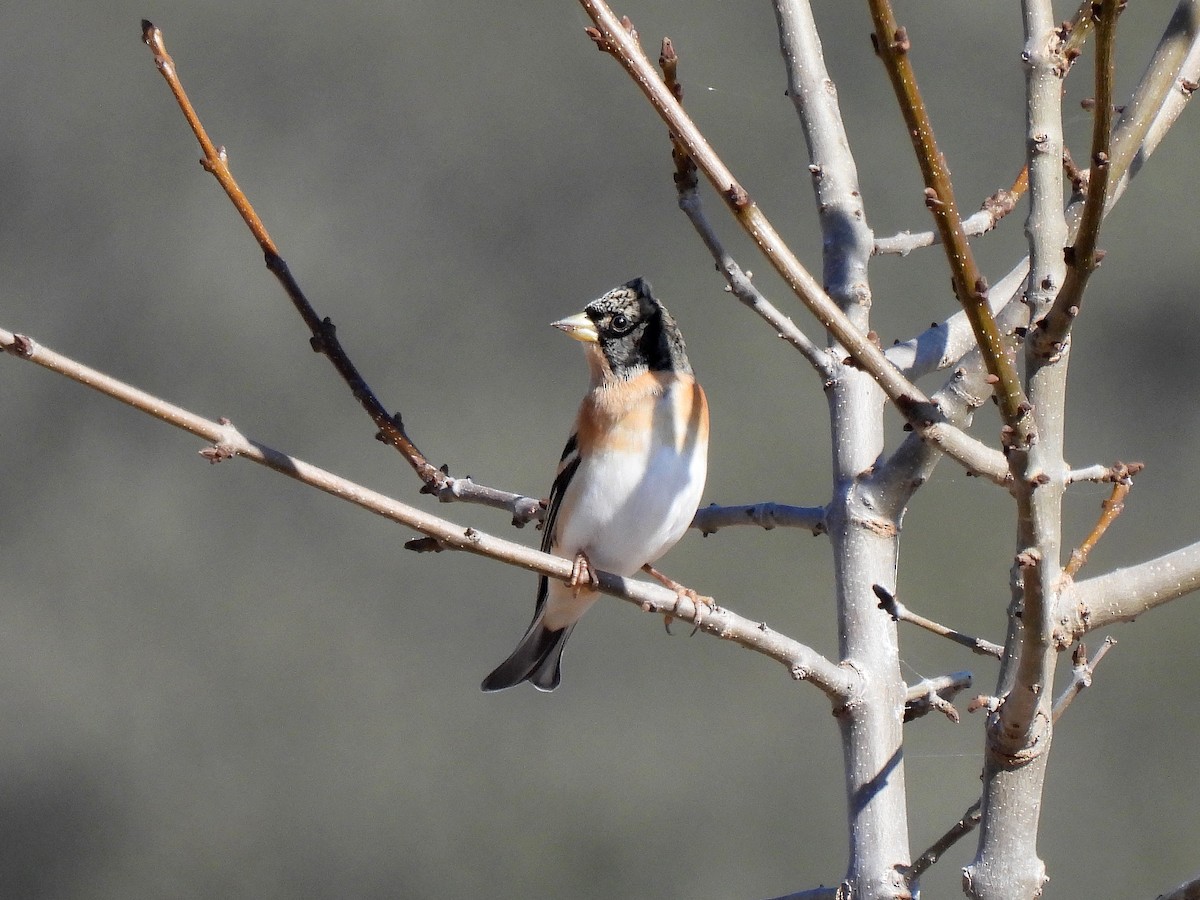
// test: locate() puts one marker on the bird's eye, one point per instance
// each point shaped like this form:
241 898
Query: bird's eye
620 322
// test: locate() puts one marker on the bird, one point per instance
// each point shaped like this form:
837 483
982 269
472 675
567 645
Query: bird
631 476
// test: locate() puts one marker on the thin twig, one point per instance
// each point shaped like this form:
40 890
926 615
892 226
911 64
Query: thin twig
1082 257
617 38
1082 670
993 209
1110 508
970 287
738 280
324 340
938 693
969 822
898 611
802 662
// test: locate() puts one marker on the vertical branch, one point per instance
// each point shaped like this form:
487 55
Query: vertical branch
1019 732
865 539
1082 257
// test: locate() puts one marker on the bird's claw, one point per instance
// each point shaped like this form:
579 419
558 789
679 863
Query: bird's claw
699 603
581 572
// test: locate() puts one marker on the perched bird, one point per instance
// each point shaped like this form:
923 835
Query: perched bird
631 475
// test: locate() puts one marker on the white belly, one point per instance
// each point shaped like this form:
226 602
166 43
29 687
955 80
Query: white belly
635 512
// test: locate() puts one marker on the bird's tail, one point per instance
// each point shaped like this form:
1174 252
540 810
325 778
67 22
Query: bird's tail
537 659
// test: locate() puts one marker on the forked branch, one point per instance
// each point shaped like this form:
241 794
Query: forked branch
617 38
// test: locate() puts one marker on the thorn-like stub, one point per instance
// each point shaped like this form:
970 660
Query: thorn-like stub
598 39
21 346
737 197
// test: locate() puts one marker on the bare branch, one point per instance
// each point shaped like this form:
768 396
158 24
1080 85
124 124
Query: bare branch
1081 674
738 280
618 39
970 287
846 238
1189 890
935 694
1109 510
960 829
993 209
713 518
1105 474
1124 594
803 663
899 612
1166 85
1082 257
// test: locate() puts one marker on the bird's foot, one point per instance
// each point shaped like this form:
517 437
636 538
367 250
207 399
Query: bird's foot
698 601
582 572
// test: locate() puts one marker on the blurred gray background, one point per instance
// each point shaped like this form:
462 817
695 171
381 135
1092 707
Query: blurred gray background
214 682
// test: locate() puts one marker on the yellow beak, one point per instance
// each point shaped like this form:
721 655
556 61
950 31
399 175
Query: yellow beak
580 327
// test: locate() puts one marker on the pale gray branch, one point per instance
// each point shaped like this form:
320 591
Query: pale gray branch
905 242
938 693
1125 594
802 662
711 519
1189 890
744 290
1082 670
944 343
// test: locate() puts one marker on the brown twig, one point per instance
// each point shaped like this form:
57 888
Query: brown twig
618 39
1082 257
898 611
324 340
1109 510
970 287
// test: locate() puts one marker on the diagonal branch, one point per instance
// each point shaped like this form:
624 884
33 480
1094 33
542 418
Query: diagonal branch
1082 670
901 613
960 829
738 279
324 335
802 662
1110 508
970 287
614 37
